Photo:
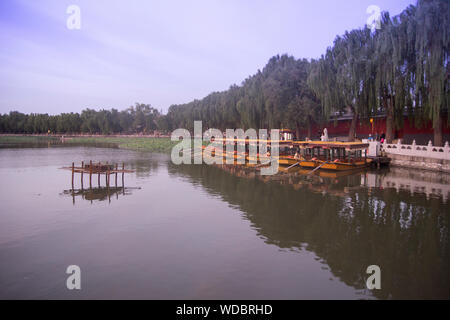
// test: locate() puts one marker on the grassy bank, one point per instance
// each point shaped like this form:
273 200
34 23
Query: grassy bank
26 139
130 143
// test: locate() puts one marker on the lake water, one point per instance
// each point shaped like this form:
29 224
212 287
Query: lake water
204 232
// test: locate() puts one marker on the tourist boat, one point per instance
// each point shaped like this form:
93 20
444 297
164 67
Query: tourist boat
336 156
258 158
288 160
331 174
225 155
289 155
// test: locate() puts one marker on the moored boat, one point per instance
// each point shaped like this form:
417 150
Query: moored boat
288 160
335 156
323 155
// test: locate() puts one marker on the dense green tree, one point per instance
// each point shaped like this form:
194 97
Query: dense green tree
432 34
342 78
395 65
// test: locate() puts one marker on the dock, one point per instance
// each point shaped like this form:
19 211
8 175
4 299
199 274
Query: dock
98 169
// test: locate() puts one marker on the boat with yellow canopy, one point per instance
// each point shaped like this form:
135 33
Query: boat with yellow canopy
260 156
325 155
336 156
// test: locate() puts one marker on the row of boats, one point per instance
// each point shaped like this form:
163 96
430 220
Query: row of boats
315 155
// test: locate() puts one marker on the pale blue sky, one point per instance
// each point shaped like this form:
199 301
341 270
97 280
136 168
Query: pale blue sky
157 52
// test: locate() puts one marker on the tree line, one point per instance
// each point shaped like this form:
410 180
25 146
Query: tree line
141 118
401 68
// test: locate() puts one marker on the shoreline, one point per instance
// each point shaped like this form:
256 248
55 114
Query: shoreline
162 144
129 142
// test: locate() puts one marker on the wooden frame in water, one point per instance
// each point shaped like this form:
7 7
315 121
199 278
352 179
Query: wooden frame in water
99 169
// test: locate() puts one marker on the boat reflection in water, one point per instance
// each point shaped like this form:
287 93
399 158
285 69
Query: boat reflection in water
395 219
99 194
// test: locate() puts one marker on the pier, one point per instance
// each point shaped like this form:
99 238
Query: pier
98 169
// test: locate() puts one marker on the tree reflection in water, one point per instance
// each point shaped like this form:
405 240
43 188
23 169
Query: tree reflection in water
345 221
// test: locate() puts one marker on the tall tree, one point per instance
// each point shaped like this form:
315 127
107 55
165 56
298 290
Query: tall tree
304 107
432 60
395 66
342 77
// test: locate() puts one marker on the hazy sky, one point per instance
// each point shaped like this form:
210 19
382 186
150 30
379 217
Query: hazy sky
157 52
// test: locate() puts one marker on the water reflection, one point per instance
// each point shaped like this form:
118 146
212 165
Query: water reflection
417 182
144 168
99 194
350 222
395 218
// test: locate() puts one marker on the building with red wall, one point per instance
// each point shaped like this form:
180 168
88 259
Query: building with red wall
364 128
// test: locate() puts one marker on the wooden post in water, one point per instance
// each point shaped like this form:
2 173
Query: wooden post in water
123 180
90 174
107 175
73 172
117 166
82 169
123 168
99 166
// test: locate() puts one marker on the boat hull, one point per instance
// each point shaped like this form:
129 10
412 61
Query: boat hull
287 161
334 166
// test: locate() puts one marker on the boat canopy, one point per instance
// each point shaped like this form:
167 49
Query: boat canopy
250 141
349 146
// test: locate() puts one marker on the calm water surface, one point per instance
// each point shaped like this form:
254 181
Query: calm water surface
202 232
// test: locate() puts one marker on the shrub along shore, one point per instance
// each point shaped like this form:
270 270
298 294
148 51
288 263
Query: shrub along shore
153 144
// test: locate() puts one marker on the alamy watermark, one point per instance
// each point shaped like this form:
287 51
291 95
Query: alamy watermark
73 282
374 20
374 280
239 147
73 21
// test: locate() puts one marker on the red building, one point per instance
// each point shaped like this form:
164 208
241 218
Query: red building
407 133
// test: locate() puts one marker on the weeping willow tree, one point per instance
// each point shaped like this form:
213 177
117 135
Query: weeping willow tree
322 80
343 78
395 67
304 107
432 61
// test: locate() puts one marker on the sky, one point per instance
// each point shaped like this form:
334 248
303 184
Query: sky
155 52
